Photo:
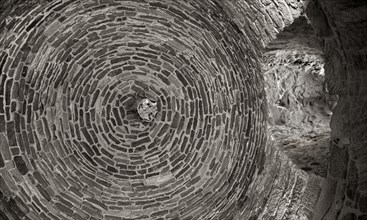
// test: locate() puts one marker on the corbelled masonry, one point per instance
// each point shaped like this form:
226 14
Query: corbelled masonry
169 109
72 73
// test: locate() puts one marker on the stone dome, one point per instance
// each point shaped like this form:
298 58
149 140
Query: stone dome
169 109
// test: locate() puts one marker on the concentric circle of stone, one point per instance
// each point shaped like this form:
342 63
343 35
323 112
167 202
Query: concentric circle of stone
147 110
72 144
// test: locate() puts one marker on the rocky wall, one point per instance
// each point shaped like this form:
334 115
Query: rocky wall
342 27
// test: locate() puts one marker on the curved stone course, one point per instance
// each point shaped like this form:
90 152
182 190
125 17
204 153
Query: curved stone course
72 143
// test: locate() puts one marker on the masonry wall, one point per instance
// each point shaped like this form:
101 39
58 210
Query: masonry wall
73 147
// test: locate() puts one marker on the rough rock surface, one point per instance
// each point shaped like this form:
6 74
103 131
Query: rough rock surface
342 27
296 91
299 105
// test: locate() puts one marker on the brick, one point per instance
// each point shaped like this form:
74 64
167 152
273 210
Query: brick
10 131
4 146
21 165
64 209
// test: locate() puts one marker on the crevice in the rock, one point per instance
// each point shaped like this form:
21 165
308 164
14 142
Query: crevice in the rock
300 107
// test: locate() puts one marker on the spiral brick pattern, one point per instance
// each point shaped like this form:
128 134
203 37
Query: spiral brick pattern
72 143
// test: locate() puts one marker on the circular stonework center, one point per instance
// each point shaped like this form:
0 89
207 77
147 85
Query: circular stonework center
147 110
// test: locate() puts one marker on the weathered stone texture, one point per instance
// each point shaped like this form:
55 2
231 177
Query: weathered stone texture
341 25
72 144
281 191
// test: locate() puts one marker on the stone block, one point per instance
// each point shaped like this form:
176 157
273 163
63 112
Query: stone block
21 165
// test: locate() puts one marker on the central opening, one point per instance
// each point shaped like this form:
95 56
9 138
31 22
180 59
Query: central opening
147 110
